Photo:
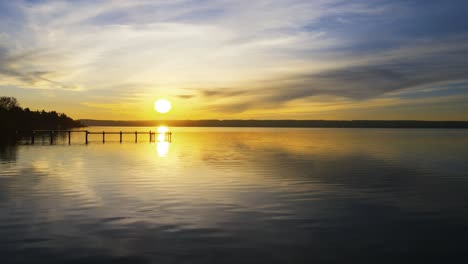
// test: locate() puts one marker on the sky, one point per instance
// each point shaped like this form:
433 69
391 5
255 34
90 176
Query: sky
236 59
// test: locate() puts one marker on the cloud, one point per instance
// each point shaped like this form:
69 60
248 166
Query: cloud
21 71
150 41
221 92
246 55
387 73
185 96
230 108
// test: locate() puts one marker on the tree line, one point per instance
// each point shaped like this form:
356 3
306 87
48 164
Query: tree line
13 118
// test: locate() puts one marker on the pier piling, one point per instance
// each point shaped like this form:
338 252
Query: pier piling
52 135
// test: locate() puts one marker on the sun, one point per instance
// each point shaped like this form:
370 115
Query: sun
162 106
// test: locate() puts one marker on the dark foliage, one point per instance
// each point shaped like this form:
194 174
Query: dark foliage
13 118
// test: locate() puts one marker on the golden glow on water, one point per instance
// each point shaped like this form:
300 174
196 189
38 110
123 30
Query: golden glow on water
162 145
224 163
162 148
163 129
161 137
220 147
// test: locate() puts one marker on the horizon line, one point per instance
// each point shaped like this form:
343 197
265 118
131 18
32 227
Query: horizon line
221 120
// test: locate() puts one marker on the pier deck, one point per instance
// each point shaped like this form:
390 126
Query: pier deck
52 134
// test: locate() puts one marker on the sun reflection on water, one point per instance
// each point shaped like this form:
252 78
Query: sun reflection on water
163 129
161 137
163 148
162 145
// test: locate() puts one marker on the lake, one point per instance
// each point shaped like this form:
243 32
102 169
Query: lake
238 195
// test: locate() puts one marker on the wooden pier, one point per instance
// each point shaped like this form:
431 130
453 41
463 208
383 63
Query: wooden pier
52 134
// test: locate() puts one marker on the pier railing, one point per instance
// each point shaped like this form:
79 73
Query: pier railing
52 134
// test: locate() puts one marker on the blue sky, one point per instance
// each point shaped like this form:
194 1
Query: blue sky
238 59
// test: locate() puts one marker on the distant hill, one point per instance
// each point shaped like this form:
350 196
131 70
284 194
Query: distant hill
283 123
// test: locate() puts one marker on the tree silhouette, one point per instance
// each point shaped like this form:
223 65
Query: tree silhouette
8 103
13 117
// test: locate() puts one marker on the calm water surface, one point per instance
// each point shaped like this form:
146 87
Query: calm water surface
226 195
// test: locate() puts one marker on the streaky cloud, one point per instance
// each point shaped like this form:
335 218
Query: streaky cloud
233 56
20 69
185 96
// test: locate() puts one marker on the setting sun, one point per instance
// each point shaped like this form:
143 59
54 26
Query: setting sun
162 106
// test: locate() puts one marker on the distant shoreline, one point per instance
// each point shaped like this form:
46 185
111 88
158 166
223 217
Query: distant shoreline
283 123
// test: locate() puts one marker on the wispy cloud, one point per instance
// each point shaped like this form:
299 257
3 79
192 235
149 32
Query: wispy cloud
367 78
247 55
21 70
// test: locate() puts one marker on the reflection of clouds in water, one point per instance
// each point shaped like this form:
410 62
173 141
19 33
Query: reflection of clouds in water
387 173
16 184
46 177
229 193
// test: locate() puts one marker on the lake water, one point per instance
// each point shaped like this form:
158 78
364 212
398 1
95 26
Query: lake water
238 195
